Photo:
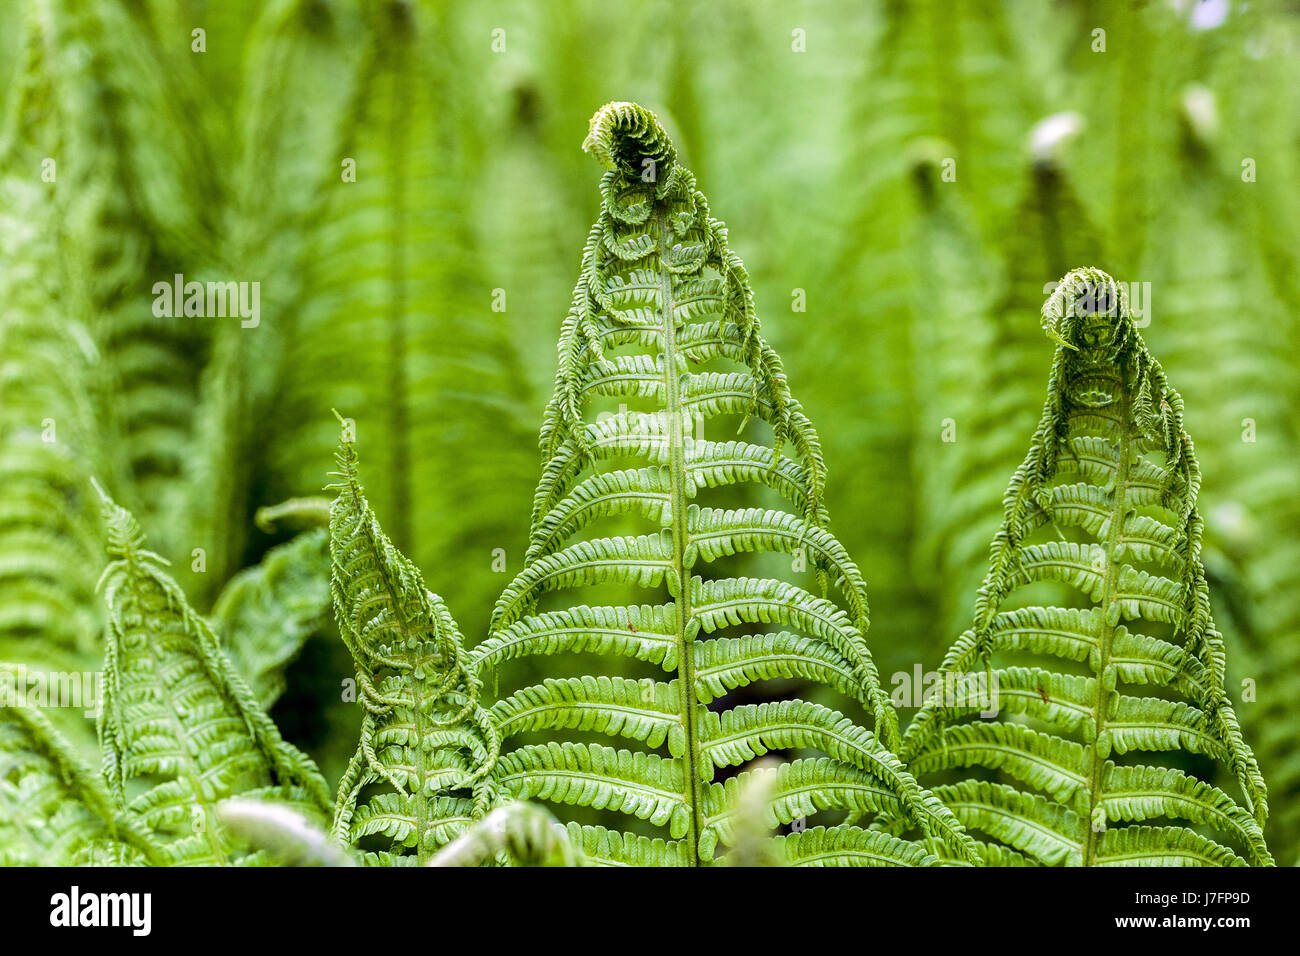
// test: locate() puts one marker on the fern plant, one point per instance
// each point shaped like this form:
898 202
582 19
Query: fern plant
1093 710
424 736
660 295
180 730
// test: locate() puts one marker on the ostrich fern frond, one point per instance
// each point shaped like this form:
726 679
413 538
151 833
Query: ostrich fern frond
423 734
50 550
1211 270
179 729
396 322
660 293
302 87
1049 231
1104 503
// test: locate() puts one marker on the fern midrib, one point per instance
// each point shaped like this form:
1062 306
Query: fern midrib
422 821
419 756
1109 593
692 791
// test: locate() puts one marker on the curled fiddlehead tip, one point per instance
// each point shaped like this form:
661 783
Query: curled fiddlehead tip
624 136
1088 310
1200 114
286 834
306 512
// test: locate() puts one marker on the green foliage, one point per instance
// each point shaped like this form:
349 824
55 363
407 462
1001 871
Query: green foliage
54 808
180 730
1105 504
900 179
266 613
663 320
423 734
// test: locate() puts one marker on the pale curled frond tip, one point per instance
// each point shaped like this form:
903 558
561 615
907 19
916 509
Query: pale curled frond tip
1051 135
1087 310
346 458
287 835
522 833
623 135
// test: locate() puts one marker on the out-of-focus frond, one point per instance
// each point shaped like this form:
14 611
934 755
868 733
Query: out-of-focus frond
267 612
54 810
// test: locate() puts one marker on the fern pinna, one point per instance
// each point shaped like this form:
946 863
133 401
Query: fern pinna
179 729
1104 506
660 293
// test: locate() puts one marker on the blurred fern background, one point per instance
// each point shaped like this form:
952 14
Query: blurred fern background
902 180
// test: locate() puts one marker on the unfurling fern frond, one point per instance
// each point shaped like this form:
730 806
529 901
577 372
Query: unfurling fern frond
287 836
518 833
423 734
663 322
54 810
1098 699
180 730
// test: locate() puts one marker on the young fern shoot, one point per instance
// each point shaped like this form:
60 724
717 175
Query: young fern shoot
660 294
179 729
1103 509
424 735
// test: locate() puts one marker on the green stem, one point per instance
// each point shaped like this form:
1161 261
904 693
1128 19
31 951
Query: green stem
677 464
1114 537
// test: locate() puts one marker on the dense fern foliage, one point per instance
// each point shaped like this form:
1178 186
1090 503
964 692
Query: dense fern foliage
54 807
401 179
1096 693
663 322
